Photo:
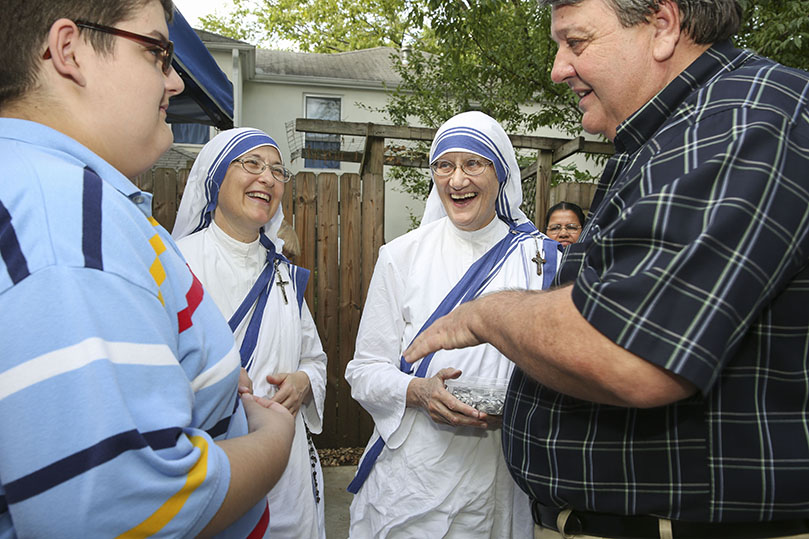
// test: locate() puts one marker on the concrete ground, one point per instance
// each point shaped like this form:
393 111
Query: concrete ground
336 479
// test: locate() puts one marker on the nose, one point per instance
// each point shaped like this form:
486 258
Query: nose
266 177
562 68
458 179
174 84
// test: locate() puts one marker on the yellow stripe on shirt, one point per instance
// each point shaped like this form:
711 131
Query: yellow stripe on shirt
157 270
160 518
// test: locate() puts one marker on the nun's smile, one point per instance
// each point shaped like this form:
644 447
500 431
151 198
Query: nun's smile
468 199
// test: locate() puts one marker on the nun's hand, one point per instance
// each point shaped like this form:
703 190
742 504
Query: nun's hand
245 383
430 394
293 389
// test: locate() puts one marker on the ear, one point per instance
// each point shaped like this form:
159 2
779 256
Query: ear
666 23
65 47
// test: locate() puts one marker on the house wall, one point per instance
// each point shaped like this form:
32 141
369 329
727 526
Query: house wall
268 106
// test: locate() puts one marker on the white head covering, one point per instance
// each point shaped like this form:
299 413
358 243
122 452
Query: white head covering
478 133
201 194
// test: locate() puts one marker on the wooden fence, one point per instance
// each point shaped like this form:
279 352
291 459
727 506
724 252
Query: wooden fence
577 193
339 222
166 186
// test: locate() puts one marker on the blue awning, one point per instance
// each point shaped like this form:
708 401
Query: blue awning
208 95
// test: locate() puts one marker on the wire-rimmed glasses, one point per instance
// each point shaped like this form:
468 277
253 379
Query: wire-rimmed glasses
257 166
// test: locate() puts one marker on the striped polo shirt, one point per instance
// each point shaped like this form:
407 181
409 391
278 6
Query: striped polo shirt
117 371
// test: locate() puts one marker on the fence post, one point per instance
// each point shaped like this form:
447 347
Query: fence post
328 285
305 219
373 206
544 166
355 425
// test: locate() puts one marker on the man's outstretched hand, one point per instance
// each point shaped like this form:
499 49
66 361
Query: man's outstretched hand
447 333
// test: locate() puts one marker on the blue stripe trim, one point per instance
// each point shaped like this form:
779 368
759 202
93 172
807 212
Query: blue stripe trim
475 141
91 220
78 463
470 286
10 250
300 276
552 252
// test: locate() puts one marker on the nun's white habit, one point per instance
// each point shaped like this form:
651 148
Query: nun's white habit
287 340
433 480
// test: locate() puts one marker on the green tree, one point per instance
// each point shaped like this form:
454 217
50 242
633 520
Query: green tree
492 55
778 29
489 55
321 25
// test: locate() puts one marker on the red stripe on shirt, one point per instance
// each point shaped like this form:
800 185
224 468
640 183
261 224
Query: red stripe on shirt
263 524
193 298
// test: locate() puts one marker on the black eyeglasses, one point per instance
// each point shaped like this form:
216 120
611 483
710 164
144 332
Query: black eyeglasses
162 48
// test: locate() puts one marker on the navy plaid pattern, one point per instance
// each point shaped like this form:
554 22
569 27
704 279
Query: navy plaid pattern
695 259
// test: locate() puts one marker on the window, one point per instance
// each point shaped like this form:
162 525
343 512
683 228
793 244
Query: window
323 108
191 133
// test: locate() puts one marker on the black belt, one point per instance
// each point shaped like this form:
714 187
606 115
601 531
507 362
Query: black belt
644 527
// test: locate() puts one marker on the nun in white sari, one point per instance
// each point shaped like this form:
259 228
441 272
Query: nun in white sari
434 466
227 228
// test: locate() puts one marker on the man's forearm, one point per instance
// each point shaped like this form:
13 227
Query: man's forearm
546 336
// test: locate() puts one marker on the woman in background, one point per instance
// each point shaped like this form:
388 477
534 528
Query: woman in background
563 222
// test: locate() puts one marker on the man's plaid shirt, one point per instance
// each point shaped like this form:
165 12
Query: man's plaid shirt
695 259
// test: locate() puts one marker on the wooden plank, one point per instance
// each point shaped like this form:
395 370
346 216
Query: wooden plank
545 164
567 149
305 219
182 180
288 202
145 181
360 129
351 415
577 193
529 171
417 161
604 148
164 203
373 209
328 286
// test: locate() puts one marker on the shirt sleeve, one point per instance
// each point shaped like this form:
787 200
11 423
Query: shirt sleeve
313 363
96 412
376 381
682 258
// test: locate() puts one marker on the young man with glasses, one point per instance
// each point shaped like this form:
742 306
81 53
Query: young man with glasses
119 412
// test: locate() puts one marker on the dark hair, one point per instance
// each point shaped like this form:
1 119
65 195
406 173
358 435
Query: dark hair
575 208
704 21
26 26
